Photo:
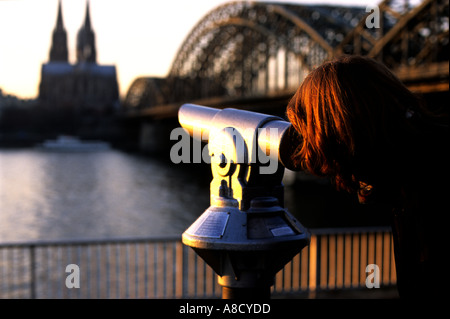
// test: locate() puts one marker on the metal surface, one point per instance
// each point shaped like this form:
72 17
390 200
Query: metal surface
246 235
273 133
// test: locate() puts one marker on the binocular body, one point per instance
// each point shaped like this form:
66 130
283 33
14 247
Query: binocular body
246 235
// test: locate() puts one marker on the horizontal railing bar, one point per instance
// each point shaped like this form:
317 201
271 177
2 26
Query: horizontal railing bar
349 230
91 241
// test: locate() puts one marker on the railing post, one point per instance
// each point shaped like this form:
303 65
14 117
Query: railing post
312 266
32 250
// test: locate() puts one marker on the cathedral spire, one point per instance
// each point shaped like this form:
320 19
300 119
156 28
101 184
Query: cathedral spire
86 40
87 20
58 50
59 19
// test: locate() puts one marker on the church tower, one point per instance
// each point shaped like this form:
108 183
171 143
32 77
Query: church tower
86 41
58 50
81 89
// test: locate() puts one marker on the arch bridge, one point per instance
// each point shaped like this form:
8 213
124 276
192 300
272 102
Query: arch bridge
254 55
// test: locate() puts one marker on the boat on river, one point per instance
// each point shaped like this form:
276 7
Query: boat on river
73 144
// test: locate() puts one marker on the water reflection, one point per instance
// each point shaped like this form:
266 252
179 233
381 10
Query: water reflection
46 196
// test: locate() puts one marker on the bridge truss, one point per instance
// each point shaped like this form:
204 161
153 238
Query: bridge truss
257 49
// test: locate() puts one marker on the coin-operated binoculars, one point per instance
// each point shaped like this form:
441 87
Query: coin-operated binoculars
246 235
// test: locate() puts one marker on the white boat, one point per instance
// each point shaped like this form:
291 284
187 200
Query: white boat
71 143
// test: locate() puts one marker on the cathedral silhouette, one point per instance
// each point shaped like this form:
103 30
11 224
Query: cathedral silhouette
83 86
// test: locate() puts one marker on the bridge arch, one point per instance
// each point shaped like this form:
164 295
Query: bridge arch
145 92
257 49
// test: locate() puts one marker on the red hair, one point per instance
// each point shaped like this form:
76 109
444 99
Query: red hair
354 120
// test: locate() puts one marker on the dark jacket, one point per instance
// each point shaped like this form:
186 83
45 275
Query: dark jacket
420 229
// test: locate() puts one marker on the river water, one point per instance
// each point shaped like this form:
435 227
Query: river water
56 195
111 194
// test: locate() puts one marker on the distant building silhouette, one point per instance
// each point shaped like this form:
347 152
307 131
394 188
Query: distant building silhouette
58 50
83 86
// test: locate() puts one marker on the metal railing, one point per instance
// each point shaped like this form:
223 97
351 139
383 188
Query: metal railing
165 268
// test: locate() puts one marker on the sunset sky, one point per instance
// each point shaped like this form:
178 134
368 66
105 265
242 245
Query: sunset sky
139 37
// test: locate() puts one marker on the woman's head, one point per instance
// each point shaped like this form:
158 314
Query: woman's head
352 115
